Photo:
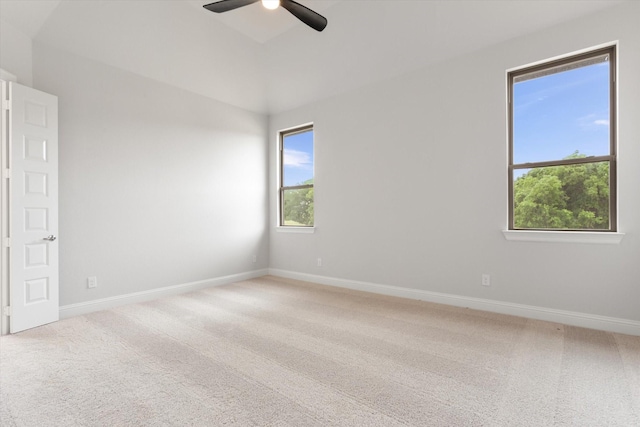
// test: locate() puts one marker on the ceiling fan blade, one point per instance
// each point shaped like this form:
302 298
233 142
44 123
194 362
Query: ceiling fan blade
227 5
306 15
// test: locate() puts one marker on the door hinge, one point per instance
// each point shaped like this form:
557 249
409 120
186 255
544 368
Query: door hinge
6 174
7 310
6 104
7 242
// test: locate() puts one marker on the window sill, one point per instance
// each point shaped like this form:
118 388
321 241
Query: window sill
299 230
564 236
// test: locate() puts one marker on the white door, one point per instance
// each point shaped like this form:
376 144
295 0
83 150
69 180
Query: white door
33 211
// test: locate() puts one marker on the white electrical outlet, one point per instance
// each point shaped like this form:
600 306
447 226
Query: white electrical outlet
486 280
92 282
254 258
319 262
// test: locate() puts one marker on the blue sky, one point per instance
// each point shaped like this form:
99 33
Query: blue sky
298 158
558 114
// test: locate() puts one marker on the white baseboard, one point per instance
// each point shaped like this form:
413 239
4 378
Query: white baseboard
591 321
81 308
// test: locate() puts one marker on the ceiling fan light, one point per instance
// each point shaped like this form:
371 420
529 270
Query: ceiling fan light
271 4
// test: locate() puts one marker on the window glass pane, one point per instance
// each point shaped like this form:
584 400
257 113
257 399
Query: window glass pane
297 159
297 207
562 197
562 113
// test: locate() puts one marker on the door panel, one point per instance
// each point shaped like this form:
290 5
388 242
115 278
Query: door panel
34 208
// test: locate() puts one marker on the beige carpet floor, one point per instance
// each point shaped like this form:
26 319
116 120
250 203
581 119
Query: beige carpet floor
275 352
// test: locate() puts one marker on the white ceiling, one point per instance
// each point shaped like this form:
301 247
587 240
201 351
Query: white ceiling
267 61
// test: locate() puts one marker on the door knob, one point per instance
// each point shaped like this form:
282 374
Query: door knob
50 238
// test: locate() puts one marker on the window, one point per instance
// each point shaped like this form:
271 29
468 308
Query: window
296 177
562 159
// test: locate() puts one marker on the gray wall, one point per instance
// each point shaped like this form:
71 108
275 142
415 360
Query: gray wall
411 183
15 53
158 186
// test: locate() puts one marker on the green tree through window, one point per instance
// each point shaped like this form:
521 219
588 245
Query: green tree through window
298 206
563 197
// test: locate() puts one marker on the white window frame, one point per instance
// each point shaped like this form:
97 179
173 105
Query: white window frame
611 236
280 226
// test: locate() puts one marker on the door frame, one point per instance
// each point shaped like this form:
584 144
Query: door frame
5 78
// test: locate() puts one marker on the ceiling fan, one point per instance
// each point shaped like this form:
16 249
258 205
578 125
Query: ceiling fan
303 13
